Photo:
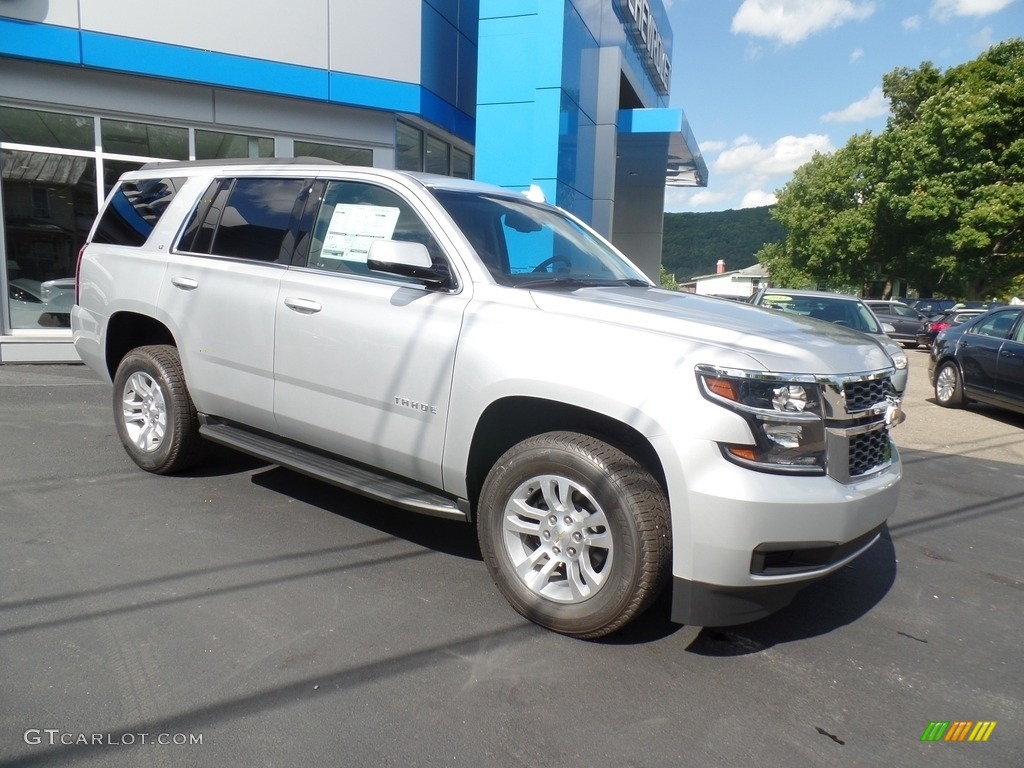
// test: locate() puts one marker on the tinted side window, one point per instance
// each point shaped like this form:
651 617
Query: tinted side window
997 325
248 218
134 209
354 214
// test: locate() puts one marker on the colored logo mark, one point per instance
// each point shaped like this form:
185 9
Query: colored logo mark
958 730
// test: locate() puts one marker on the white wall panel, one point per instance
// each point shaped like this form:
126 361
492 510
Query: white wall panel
378 39
64 13
294 32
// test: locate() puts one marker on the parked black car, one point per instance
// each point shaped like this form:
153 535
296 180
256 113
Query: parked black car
931 307
944 320
907 322
981 359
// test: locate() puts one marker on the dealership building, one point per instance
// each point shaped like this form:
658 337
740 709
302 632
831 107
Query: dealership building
570 96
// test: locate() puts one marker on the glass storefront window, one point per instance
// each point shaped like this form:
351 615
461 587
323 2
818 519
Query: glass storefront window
49 205
112 170
211 145
438 160
335 152
462 164
144 139
27 126
409 148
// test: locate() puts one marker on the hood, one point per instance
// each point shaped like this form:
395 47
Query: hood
777 340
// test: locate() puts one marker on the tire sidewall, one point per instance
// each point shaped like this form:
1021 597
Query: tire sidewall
603 608
956 396
142 360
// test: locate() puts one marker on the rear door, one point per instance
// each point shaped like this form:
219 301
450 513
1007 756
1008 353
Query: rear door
1010 370
979 352
221 287
364 360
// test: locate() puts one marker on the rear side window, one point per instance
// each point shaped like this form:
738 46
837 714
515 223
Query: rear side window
997 325
248 218
134 209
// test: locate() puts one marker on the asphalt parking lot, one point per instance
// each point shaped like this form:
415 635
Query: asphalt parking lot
243 615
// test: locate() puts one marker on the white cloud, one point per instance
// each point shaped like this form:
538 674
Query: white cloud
688 199
911 22
857 55
984 39
783 157
712 146
791 21
757 198
873 105
744 170
944 10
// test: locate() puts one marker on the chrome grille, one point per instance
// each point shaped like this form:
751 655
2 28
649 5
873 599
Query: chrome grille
857 436
868 451
863 395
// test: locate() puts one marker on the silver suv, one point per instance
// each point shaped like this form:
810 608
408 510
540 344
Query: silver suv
463 351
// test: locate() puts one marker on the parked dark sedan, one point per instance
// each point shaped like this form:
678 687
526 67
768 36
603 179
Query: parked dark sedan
944 320
907 322
931 307
981 359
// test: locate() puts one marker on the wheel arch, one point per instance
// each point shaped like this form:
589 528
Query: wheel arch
513 419
128 330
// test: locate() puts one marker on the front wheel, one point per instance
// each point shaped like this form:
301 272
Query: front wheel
153 411
575 533
949 388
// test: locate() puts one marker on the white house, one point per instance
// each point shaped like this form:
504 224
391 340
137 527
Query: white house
739 283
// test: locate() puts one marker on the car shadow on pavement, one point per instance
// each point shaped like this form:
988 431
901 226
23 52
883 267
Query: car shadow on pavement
1009 418
824 606
450 537
819 609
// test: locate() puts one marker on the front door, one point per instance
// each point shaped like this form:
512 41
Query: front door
363 361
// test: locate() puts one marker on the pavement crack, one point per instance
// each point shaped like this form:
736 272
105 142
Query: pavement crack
832 736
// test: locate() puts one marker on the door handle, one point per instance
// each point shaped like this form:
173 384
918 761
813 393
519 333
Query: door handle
303 306
185 283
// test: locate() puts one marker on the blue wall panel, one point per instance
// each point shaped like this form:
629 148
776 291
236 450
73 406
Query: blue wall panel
439 54
39 41
125 54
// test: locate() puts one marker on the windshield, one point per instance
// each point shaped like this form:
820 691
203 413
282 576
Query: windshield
849 313
530 245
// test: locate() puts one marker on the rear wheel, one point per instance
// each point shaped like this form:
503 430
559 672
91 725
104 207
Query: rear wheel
153 411
575 533
949 389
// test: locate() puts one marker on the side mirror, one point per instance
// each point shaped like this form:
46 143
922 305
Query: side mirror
888 328
405 259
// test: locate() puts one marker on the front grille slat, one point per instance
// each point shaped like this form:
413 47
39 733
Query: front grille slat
868 451
858 437
863 395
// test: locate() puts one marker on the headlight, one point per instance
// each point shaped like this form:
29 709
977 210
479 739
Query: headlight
784 413
899 359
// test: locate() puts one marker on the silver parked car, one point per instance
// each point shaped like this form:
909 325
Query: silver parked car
838 309
461 350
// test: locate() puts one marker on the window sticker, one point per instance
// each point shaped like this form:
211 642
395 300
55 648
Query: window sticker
354 227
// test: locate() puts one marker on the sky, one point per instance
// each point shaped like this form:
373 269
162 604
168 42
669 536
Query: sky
765 84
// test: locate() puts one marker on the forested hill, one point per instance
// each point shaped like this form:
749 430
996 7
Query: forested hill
694 242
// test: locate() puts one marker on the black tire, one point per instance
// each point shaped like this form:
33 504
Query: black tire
153 411
603 533
949 386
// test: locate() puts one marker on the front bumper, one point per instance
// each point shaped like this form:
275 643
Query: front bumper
713 605
745 542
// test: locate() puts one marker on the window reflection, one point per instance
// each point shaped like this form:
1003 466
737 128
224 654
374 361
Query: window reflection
49 205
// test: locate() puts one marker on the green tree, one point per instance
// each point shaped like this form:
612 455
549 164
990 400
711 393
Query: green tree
937 198
908 89
667 280
828 211
955 178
